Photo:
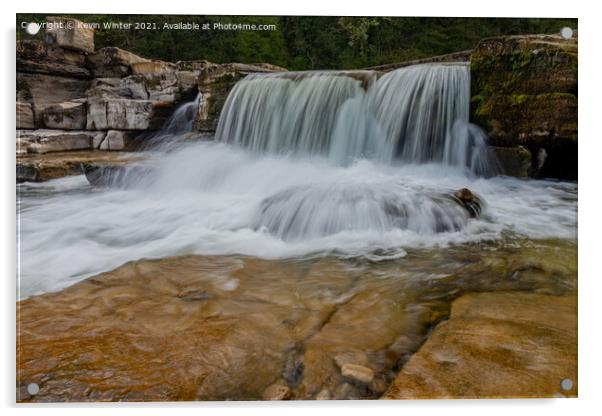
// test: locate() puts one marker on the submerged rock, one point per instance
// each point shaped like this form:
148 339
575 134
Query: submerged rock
356 207
277 391
111 337
351 357
357 372
114 176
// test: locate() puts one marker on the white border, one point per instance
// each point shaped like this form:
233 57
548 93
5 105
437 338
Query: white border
590 152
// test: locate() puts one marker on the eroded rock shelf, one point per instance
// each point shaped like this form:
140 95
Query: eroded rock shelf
238 328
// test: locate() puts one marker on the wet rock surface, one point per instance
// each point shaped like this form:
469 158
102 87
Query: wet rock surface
496 345
39 168
114 175
239 328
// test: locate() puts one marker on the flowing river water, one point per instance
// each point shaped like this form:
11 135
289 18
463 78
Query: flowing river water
319 188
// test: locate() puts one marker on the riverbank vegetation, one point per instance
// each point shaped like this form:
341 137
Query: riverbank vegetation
302 43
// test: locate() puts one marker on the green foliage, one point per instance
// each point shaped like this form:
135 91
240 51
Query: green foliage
306 42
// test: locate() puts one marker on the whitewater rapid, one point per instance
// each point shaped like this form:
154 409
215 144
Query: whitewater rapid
206 198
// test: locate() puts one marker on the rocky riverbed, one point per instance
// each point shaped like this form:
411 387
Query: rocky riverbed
242 328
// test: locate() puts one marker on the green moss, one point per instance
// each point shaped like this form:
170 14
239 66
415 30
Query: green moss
534 69
517 99
555 95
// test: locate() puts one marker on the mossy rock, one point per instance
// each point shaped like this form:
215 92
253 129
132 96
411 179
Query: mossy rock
530 65
515 119
524 95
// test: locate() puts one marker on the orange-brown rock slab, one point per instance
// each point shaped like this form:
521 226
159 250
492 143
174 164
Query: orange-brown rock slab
510 344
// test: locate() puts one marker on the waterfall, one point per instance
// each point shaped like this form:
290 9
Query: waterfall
179 125
305 212
399 149
417 114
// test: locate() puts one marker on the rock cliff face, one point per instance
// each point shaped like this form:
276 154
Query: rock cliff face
524 94
71 97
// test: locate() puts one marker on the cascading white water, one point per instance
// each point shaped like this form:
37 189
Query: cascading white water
180 123
305 212
417 114
386 154
283 113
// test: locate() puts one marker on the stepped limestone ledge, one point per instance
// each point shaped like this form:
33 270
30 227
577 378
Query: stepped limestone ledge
39 168
71 95
524 93
496 345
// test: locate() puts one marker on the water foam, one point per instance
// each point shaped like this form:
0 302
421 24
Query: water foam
206 198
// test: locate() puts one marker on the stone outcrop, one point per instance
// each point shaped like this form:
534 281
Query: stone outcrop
70 115
47 141
41 91
69 34
118 140
39 168
495 345
24 116
153 67
112 62
69 96
121 114
524 93
34 56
